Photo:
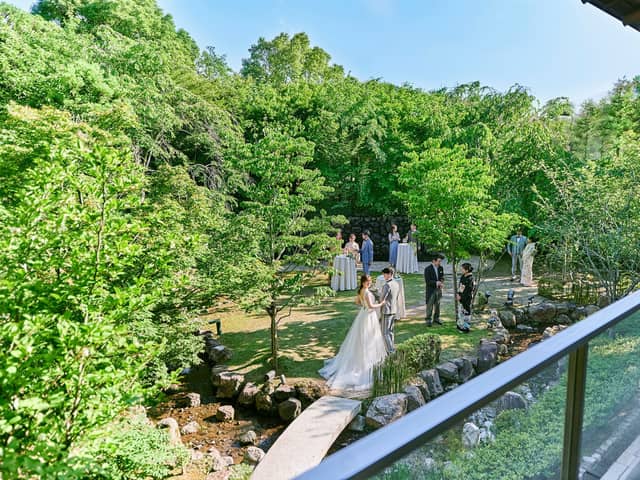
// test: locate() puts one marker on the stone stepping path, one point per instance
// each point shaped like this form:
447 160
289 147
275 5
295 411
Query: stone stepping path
307 439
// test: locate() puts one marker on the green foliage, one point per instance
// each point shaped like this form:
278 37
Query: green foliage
448 197
422 351
412 356
391 375
134 449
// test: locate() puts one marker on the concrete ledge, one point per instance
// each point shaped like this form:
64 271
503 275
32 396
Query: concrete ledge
627 466
306 441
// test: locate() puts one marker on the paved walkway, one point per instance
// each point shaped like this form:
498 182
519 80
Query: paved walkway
627 466
306 441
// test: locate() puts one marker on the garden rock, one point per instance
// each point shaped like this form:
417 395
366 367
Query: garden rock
264 402
247 396
432 379
284 392
228 383
564 308
542 312
289 409
578 314
174 430
357 424
470 435
254 455
510 401
192 399
248 438
414 398
503 350
487 355
465 368
603 301
190 428
508 318
221 475
591 309
448 372
309 391
270 375
218 463
563 319
386 409
225 413
501 335
423 387
526 328
551 331
228 459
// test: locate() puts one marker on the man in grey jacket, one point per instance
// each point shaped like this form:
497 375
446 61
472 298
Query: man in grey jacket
389 294
514 248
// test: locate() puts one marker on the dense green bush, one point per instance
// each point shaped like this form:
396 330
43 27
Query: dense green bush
422 351
135 449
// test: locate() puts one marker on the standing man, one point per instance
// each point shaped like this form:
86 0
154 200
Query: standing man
514 248
434 280
366 252
389 294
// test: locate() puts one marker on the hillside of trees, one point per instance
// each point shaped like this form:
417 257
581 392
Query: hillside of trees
133 166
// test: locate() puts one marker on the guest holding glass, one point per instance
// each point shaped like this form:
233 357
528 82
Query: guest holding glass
352 248
394 240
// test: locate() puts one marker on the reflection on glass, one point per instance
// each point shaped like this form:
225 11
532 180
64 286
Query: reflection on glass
612 407
518 436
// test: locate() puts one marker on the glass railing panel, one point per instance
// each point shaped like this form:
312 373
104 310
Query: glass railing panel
611 421
517 436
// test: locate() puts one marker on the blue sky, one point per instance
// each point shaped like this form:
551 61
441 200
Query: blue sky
553 47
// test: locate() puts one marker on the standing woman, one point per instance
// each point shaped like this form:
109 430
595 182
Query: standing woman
465 296
526 274
394 240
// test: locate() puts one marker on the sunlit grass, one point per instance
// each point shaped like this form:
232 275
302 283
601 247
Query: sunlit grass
314 333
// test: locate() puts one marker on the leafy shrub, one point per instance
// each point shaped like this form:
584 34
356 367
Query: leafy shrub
422 351
136 449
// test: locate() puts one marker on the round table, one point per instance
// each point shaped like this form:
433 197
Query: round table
344 277
407 261
380 281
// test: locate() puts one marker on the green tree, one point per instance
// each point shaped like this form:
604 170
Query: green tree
447 196
290 237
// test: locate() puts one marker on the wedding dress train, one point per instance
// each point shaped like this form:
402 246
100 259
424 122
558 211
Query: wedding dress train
352 368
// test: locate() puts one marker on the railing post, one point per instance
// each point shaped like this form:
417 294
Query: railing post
576 380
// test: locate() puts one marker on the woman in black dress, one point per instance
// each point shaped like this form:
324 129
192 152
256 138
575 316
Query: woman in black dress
465 296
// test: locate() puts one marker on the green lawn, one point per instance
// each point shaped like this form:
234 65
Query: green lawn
313 334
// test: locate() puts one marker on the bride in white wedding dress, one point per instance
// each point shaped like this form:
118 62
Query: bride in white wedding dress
352 368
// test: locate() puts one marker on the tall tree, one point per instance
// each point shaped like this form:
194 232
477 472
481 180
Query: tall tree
290 237
448 197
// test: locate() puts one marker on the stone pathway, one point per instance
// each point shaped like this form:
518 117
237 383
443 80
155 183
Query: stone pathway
627 466
307 439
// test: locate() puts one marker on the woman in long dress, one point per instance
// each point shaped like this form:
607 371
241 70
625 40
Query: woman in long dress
394 240
526 275
352 368
352 248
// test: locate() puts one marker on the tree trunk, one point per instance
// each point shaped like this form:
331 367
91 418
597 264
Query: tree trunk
454 265
274 338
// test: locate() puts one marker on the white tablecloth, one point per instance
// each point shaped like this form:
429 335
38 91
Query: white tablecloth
344 277
407 259
380 281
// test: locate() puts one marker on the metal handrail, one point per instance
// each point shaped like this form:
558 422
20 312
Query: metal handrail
384 446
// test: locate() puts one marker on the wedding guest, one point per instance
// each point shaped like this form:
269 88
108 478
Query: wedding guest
434 280
465 287
514 248
352 248
366 253
339 237
526 275
394 240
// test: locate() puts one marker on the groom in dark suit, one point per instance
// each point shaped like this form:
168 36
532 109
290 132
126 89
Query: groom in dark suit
434 280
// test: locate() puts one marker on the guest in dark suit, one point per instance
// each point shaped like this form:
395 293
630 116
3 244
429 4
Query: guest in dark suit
434 280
